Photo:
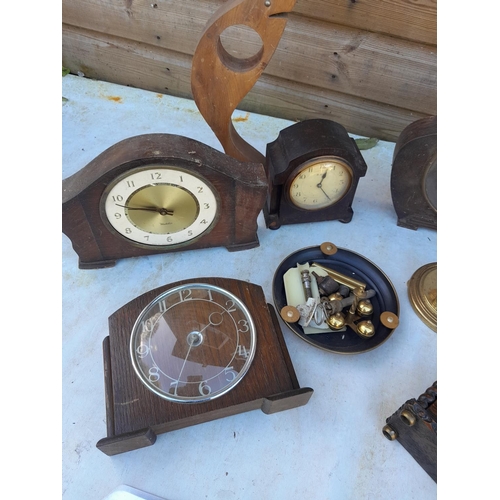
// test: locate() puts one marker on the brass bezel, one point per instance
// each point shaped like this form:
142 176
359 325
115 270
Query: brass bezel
423 306
306 164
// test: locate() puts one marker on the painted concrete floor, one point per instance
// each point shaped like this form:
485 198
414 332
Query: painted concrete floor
330 449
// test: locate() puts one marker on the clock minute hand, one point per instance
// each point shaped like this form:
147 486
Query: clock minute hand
320 184
161 211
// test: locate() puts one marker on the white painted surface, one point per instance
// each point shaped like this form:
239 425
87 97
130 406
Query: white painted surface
330 449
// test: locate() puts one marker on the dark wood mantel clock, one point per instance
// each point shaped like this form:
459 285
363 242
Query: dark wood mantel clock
313 170
414 175
159 193
190 352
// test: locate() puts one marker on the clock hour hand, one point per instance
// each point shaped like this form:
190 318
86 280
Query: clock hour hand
161 211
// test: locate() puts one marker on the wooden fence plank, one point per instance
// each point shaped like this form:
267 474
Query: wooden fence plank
145 66
332 57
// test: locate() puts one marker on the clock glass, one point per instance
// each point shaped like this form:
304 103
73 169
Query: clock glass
320 182
193 343
160 206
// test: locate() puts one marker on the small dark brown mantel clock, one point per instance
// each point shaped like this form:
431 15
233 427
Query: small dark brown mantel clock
313 172
159 193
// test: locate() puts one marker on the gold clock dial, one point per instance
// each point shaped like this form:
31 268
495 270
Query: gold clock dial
160 206
320 183
160 216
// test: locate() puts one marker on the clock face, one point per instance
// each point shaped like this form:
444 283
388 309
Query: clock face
320 183
160 206
193 343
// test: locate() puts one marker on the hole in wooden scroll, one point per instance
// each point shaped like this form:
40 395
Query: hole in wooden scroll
240 48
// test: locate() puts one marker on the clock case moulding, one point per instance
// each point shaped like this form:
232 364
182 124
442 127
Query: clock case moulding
241 189
135 416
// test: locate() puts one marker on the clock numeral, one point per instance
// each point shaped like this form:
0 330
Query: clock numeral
190 233
128 230
229 373
200 189
298 194
154 374
230 306
130 184
147 325
162 306
118 216
174 385
185 294
118 197
155 176
181 179
142 351
146 237
244 326
204 388
203 221
242 351
169 239
210 295
206 206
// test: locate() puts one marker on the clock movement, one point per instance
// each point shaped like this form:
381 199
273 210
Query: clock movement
190 352
414 175
313 172
335 299
159 193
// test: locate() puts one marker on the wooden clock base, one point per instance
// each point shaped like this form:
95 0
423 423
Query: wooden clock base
135 416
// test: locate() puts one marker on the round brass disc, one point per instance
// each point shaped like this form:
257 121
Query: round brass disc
290 314
422 291
389 319
328 248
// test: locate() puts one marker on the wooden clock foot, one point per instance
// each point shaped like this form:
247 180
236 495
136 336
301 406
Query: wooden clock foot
126 442
286 400
97 264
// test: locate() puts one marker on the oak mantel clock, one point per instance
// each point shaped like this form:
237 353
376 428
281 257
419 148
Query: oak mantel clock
313 172
190 352
159 193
